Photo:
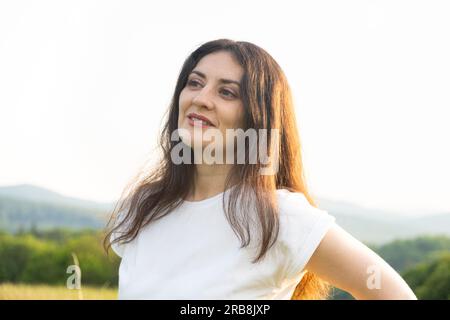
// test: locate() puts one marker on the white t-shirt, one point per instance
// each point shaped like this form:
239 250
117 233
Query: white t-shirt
193 253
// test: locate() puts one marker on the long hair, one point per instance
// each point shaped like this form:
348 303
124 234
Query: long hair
268 104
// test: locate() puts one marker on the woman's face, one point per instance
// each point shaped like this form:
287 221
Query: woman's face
212 91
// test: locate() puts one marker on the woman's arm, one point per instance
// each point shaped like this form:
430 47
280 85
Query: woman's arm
348 264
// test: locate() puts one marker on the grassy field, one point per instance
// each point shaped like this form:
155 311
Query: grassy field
45 292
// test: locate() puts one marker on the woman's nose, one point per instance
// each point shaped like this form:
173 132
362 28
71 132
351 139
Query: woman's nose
204 98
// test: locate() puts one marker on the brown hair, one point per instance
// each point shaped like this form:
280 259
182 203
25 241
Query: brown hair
266 95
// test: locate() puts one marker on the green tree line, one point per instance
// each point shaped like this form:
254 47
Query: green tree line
42 257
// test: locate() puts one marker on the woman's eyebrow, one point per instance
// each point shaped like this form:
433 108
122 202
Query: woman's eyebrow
226 81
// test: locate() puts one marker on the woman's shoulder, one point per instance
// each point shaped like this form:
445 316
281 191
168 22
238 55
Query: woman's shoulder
294 206
289 199
121 223
302 227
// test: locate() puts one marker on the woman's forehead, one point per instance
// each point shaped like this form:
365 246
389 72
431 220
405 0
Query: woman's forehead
220 65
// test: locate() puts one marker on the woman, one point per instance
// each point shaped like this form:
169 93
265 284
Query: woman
198 227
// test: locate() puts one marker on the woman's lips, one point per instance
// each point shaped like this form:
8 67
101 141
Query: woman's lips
198 123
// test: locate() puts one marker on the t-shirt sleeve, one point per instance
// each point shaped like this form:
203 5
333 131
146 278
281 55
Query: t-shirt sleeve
302 228
118 247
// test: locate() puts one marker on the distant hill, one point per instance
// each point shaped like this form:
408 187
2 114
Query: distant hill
379 226
39 194
26 214
28 206
24 206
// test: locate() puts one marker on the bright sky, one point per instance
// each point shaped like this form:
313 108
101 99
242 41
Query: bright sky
84 85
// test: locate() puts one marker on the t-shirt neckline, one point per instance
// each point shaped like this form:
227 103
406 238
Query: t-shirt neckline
207 200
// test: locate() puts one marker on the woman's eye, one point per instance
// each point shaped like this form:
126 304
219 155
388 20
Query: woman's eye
192 82
228 93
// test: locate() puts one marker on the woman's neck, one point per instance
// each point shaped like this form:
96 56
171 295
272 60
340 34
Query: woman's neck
209 180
